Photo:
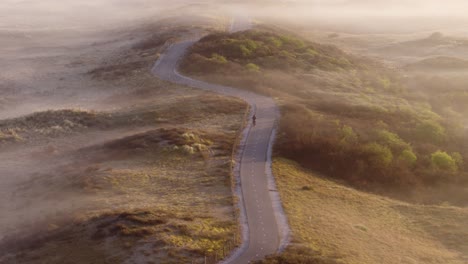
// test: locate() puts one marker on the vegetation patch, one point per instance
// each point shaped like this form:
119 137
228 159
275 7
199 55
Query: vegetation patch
50 124
169 235
258 50
346 116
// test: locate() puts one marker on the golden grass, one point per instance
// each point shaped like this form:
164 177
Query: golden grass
168 205
332 219
185 196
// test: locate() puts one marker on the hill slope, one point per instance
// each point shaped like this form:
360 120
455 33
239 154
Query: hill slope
439 63
357 124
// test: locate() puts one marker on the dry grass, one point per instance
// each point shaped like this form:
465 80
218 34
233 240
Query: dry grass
49 123
328 217
159 195
166 193
329 118
178 171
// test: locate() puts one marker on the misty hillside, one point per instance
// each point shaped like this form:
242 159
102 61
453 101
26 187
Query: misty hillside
119 143
436 44
351 126
358 120
264 49
439 63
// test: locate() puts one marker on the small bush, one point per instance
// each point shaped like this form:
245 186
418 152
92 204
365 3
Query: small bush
458 158
443 161
379 156
218 58
431 131
392 140
408 157
252 67
188 149
348 135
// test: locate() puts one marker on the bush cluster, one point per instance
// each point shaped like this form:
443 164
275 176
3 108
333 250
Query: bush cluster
366 156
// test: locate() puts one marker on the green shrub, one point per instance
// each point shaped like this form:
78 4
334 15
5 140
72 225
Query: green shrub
252 67
443 161
348 135
246 52
431 131
408 157
275 42
458 158
380 156
392 140
272 51
218 58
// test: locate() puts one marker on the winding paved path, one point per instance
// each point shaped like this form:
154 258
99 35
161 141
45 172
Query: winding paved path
264 224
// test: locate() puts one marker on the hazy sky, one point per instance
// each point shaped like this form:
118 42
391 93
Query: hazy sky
19 14
75 13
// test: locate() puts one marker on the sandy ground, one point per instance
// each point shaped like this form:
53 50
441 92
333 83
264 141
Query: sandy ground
48 68
51 74
48 48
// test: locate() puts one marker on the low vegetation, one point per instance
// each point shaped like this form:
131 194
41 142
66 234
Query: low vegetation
359 124
332 223
50 123
147 182
176 187
58 123
359 121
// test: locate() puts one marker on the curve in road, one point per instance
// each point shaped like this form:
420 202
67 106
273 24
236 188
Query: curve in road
265 229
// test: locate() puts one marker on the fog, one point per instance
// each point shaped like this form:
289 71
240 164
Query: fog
88 14
55 14
373 16
68 14
43 41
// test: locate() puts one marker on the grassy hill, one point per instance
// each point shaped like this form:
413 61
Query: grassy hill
358 150
354 121
161 195
145 177
266 50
